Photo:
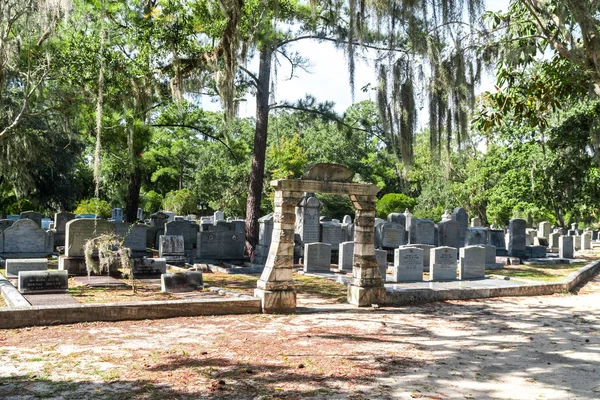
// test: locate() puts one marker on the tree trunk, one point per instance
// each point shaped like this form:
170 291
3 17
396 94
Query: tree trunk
133 194
257 173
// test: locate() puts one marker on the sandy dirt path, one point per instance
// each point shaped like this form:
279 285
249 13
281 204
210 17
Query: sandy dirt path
545 347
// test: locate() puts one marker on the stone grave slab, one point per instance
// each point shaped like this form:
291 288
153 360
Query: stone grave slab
79 231
462 218
149 266
51 281
565 247
346 256
220 245
14 266
51 299
182 282
25 239
422 231
99 281
517 238
448 233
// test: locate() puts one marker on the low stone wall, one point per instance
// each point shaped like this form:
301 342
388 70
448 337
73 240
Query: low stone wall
17 317
414 296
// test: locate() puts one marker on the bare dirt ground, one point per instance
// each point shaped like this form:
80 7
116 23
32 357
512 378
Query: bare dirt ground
545 347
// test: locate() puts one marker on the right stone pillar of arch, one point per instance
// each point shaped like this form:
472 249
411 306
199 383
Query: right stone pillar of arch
367 285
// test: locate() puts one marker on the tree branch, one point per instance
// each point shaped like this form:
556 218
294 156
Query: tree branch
327 39
251 75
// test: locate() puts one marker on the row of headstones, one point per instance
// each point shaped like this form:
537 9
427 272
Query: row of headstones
410 262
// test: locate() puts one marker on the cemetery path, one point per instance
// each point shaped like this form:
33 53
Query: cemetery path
544 347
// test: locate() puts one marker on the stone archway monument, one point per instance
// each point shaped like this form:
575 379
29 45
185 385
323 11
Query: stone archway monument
276 284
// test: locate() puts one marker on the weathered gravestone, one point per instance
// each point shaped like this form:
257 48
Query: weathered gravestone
565 247
490 257
577 242
540 241
187 229
390 235
544 230
34 216
476 236
31 282
172 248
307 219
398 218
5 223
331 232
517 238
25 239
536 251
14 266
135 237
158 221
442 264
221 243
265 236
476 222
219 216
408 265
381 257
182 282
79 231
60 225
448 233
346 256
586 241
149 266
472 262
496 239
422 231
462 218
317 257
553 241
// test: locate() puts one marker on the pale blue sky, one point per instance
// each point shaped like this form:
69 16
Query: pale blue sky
328 79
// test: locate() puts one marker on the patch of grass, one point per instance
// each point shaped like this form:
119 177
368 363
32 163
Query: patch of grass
543 272
85 294
234 282
321 287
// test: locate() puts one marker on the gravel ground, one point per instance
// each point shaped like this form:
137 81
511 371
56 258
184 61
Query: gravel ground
545 347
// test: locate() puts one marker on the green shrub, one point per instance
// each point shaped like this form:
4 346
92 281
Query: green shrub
151 202
336 205
394 202
95 206
181 202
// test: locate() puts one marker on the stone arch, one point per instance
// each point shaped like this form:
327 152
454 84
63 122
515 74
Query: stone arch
276 286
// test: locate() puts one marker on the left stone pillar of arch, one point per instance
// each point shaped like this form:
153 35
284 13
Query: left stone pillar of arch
275 287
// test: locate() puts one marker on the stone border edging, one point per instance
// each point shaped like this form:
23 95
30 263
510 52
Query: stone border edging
11 295
413 296
18 317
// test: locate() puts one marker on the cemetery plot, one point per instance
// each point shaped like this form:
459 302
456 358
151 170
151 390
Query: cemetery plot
540 272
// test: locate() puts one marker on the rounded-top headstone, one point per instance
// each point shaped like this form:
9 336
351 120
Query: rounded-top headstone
328 172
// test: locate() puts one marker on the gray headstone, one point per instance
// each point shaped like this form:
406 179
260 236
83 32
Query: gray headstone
462 218
171 245
219 216
149 266
398 218
536 251
34 216
347 219
586 241
346 256
135 237
188 230
442 264
565 247
422 231
140 214
51 281
544 230
496 239
182 282
317 257
221 245
26 239
117 215
577 242
490 254
448 233
408 265
60 224
476 222
553 240
331 232
307 220
381 256
517 237
5 223
476 236
390 235
540 241
472 262
158 221
265 230
14 266
79 231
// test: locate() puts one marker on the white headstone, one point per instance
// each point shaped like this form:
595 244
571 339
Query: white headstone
472 262
408 264
442 263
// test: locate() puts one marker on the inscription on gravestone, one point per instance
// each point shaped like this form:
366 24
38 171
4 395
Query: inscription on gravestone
43 281
443 263
408 265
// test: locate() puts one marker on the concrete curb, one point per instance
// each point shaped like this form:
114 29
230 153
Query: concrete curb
18 317
11 295
414 296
